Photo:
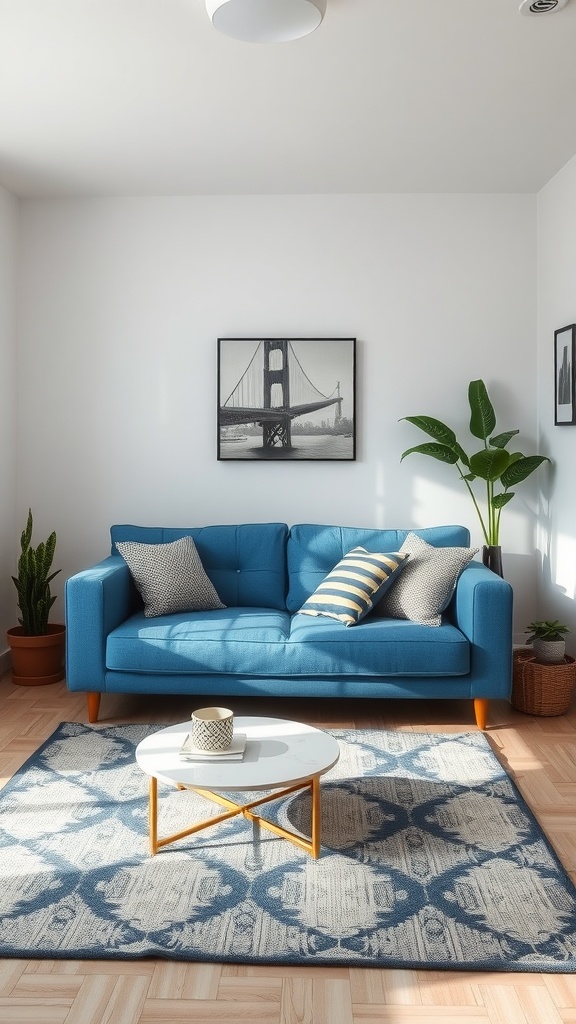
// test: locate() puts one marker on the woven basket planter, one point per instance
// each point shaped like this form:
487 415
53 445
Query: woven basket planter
539 689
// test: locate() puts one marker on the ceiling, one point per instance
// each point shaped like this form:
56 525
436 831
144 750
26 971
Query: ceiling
144 97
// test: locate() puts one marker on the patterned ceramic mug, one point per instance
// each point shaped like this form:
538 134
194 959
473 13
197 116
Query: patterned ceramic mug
212 728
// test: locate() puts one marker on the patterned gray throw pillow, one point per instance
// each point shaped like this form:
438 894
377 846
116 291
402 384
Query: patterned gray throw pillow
425 586
170 577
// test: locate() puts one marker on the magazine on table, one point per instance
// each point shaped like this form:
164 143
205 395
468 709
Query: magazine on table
235 752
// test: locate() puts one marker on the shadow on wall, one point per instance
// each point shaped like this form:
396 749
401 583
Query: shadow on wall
427 500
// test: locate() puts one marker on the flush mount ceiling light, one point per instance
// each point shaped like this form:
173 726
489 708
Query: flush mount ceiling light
266 21
541 6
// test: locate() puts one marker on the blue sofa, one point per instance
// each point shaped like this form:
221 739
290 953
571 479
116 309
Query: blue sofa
258 646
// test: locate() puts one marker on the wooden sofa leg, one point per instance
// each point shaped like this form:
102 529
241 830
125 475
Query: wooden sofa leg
481 711
93 698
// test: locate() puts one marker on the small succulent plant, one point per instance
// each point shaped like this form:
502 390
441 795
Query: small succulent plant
546 629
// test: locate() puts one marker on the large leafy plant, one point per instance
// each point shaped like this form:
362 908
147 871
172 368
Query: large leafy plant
33 581
494 464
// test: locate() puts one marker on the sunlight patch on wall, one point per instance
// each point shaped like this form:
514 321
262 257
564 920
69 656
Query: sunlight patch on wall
564 571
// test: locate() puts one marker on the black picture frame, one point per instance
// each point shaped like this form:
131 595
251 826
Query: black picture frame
286 399
564 379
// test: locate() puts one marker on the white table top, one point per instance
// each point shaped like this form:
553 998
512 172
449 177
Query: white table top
278 753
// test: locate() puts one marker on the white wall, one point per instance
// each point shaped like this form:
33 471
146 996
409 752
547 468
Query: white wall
121 302
556 309
8 239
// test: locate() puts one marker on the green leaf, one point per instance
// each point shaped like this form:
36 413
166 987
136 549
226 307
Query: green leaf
459 451
489 463
522 468
436 451
482 416
501 440
499 500
514 456
440 432
27 532
434 428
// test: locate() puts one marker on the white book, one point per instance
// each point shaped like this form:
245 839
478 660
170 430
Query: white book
235 752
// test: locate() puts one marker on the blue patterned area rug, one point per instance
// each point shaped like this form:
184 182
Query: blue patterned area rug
430 858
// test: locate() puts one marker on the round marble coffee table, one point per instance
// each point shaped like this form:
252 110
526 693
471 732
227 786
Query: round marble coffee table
280 755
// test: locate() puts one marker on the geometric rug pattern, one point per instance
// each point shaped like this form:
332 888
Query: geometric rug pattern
430 859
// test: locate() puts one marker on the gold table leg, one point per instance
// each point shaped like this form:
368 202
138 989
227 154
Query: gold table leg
153 815
315 784
311 846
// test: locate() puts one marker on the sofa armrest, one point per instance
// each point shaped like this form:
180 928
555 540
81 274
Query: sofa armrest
482 608
97 600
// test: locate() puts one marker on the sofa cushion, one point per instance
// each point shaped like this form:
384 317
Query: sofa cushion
313 551
263 643
246 563
427 585
378 647
170 577
354 586
232 640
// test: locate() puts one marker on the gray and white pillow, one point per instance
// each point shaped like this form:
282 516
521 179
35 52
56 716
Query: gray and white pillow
170 577
425 586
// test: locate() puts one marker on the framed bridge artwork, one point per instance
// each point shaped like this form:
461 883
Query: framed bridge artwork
287 399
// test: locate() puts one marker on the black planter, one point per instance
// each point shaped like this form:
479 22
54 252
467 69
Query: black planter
492 557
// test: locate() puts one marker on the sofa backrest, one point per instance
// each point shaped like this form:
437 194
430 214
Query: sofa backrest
246 563
313 551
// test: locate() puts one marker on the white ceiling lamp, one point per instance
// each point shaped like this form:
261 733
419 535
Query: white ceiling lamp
541 6
266 21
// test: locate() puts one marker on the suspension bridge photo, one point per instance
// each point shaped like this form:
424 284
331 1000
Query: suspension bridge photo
286 398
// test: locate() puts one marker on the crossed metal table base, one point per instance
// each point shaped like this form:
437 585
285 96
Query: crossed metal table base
311 846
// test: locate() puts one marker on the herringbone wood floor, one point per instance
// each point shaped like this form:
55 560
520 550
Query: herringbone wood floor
539 752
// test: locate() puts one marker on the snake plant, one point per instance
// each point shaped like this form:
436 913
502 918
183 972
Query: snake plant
33 581
493 464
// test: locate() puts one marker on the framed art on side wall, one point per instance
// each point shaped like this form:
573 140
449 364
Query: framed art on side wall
286 399
564 353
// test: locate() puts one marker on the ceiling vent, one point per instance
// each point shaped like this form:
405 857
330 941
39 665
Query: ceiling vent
542 6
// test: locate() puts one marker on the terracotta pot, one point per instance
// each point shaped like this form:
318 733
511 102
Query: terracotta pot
37 660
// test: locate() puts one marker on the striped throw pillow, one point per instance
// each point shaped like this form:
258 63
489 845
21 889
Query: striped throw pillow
355 585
